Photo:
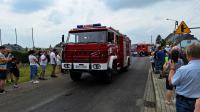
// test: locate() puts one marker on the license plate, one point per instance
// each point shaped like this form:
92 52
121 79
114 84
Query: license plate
81 66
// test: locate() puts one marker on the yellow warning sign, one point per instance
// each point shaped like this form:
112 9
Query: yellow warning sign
183 29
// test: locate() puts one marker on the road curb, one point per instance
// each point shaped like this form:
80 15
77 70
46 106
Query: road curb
156 94
149 95
159 89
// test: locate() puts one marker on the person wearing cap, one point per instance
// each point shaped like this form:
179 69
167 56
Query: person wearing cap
186 80
3 69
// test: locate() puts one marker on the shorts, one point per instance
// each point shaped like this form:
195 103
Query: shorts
3 75
168 85
43 67
15 72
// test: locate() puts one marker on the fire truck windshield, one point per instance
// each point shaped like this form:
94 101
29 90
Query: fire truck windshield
88 37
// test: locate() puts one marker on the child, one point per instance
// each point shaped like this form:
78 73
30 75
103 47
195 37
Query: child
15 71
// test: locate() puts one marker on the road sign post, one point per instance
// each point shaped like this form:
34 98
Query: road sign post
183 29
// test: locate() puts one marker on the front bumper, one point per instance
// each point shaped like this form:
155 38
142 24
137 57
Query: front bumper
85 66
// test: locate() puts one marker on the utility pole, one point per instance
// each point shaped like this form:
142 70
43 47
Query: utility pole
0 38
33 39
63 38
151 39
16 35
176 24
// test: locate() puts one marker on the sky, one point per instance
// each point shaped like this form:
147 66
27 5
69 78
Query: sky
139 19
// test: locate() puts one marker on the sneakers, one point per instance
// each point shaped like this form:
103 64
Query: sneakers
54 76
40 78
2 92
15 86
35 82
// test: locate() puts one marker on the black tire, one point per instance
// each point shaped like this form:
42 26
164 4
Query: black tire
108 76
114 68
125 69
141 54
75 76
109 73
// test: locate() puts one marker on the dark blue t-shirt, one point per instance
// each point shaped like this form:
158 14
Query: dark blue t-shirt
160 56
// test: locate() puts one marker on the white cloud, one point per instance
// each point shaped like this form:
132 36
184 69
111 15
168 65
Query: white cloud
51 22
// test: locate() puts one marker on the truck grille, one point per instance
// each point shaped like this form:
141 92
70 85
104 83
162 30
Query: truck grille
85 56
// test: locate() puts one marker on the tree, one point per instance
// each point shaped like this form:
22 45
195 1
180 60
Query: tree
169 43
50 47
158 39
163 42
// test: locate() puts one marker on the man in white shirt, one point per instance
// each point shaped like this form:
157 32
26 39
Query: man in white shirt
53 62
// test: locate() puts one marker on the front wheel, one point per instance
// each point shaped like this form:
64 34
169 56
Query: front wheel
125 69
108 76
109 73
75 76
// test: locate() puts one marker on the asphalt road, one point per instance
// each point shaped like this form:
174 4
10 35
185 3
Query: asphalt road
124 94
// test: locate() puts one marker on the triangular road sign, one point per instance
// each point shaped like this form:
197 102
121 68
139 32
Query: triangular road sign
183 29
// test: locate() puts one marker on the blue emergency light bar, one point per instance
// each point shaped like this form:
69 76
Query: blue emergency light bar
89 25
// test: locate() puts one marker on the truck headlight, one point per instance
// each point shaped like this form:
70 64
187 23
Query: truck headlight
67 65
97 66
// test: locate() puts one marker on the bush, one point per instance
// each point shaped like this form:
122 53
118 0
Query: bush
21 56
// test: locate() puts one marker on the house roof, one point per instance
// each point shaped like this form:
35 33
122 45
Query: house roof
14 47
178 38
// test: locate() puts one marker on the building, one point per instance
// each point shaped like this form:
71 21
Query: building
181 40
185 43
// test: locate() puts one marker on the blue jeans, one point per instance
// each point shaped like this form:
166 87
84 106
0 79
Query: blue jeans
184 105
33 71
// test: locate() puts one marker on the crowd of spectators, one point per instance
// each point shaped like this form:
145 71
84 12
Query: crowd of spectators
181 68
9 66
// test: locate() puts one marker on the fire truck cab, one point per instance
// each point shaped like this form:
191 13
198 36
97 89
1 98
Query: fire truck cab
99 50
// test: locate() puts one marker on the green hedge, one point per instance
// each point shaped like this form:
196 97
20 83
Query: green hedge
21 56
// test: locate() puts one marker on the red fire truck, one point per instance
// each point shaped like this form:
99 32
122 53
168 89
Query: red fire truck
99 50
144 49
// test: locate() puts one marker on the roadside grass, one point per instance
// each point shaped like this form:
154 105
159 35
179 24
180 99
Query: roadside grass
25 72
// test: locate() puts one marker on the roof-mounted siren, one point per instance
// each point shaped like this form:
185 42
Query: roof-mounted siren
89 25
97 25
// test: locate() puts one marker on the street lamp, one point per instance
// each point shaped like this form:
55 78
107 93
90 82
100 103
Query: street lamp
176 25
